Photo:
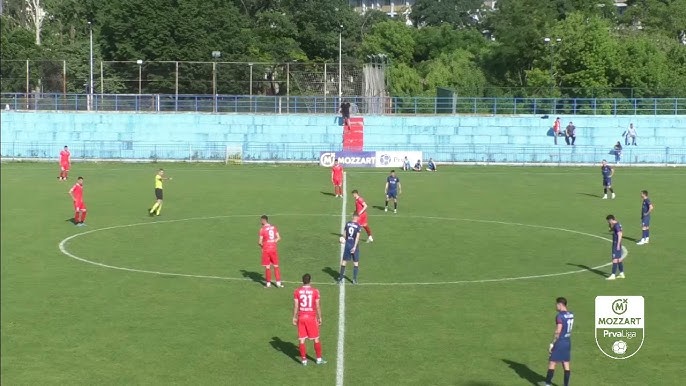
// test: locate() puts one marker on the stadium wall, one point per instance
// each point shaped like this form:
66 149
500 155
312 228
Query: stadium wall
208 137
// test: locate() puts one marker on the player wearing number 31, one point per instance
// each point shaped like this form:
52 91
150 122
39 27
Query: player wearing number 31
269 237
307 316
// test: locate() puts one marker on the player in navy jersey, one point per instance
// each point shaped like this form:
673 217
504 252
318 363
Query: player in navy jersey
561 346
617 259
607 171
351 236
393 189
646 210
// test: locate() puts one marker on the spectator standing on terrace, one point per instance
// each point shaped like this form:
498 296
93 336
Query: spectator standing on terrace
570 132
617 150
631 133
345 112
557 126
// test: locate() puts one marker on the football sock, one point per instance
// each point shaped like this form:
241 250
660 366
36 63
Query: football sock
268 274
303 351
395 205
277 274
83 216
318 349
386 204
65 174
605 190
159 209
77 217
644 234
154 207
620 266
341 273
549 377
355 269
612 190
614 268
647 234
369 231
567 374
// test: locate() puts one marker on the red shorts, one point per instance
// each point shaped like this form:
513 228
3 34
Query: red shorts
363 219
308 327
79 205
64 166
270 258
337 181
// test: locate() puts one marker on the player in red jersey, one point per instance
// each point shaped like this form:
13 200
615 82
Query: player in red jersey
269 237
76 193
65 161
361 209
337 178
307 315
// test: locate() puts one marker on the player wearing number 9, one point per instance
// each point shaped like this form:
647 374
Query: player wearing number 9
307 316
269 238
351 251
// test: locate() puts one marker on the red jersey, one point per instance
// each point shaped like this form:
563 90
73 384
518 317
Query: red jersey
359 204
337 172
307 298
77 192
556 126
64 156
269 235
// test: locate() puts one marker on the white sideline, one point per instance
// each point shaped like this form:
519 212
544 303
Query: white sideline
340 351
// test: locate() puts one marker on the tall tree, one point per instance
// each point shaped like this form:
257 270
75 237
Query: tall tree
392 38
459 13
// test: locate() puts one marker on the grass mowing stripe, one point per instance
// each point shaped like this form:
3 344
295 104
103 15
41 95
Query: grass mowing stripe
340 350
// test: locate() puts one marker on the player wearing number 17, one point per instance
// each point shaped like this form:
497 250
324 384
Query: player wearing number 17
393 189
561 347
307 316
361 209
337 178
269 237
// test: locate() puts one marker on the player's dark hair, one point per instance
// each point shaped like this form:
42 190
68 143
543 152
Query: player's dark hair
355 191
645 192
335 159
264 217
610 217
79 178
307 278
355 214
392 171
561 300
65 146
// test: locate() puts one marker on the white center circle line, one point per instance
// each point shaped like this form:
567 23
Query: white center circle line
63 248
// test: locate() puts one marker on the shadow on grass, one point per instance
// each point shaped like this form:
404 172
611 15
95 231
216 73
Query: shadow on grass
478 383
327 193
331 272
525 372
70 220
590 195
336 234
629 238
254 276
378 207
287 348
589 269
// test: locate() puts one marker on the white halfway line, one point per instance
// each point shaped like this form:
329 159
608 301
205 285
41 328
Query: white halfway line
340 350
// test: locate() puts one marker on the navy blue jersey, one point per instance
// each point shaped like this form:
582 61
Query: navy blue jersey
352 230
392 184
606 170
616 229
566 319
645 207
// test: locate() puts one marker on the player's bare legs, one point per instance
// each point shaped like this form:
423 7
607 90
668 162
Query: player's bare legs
80 217
268 275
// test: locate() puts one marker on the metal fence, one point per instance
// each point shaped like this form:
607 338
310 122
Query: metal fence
330 105
298 152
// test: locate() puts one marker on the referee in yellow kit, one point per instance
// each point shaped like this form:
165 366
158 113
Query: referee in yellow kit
157 207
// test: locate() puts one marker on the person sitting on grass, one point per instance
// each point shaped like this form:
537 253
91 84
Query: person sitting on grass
406 164
431 166
418 166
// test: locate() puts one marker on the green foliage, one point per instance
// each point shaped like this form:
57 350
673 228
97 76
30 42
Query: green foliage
392 38
433 41
456 70
404 80
457 13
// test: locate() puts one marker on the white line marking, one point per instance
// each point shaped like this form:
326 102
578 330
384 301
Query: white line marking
63 248
340 351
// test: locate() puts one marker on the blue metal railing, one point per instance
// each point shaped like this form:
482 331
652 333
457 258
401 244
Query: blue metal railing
330 105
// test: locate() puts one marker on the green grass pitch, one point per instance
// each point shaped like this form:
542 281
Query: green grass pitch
68 322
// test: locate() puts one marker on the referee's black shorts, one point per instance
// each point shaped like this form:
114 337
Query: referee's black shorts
158 193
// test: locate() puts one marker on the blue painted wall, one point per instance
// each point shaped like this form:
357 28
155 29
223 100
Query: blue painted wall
301 137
